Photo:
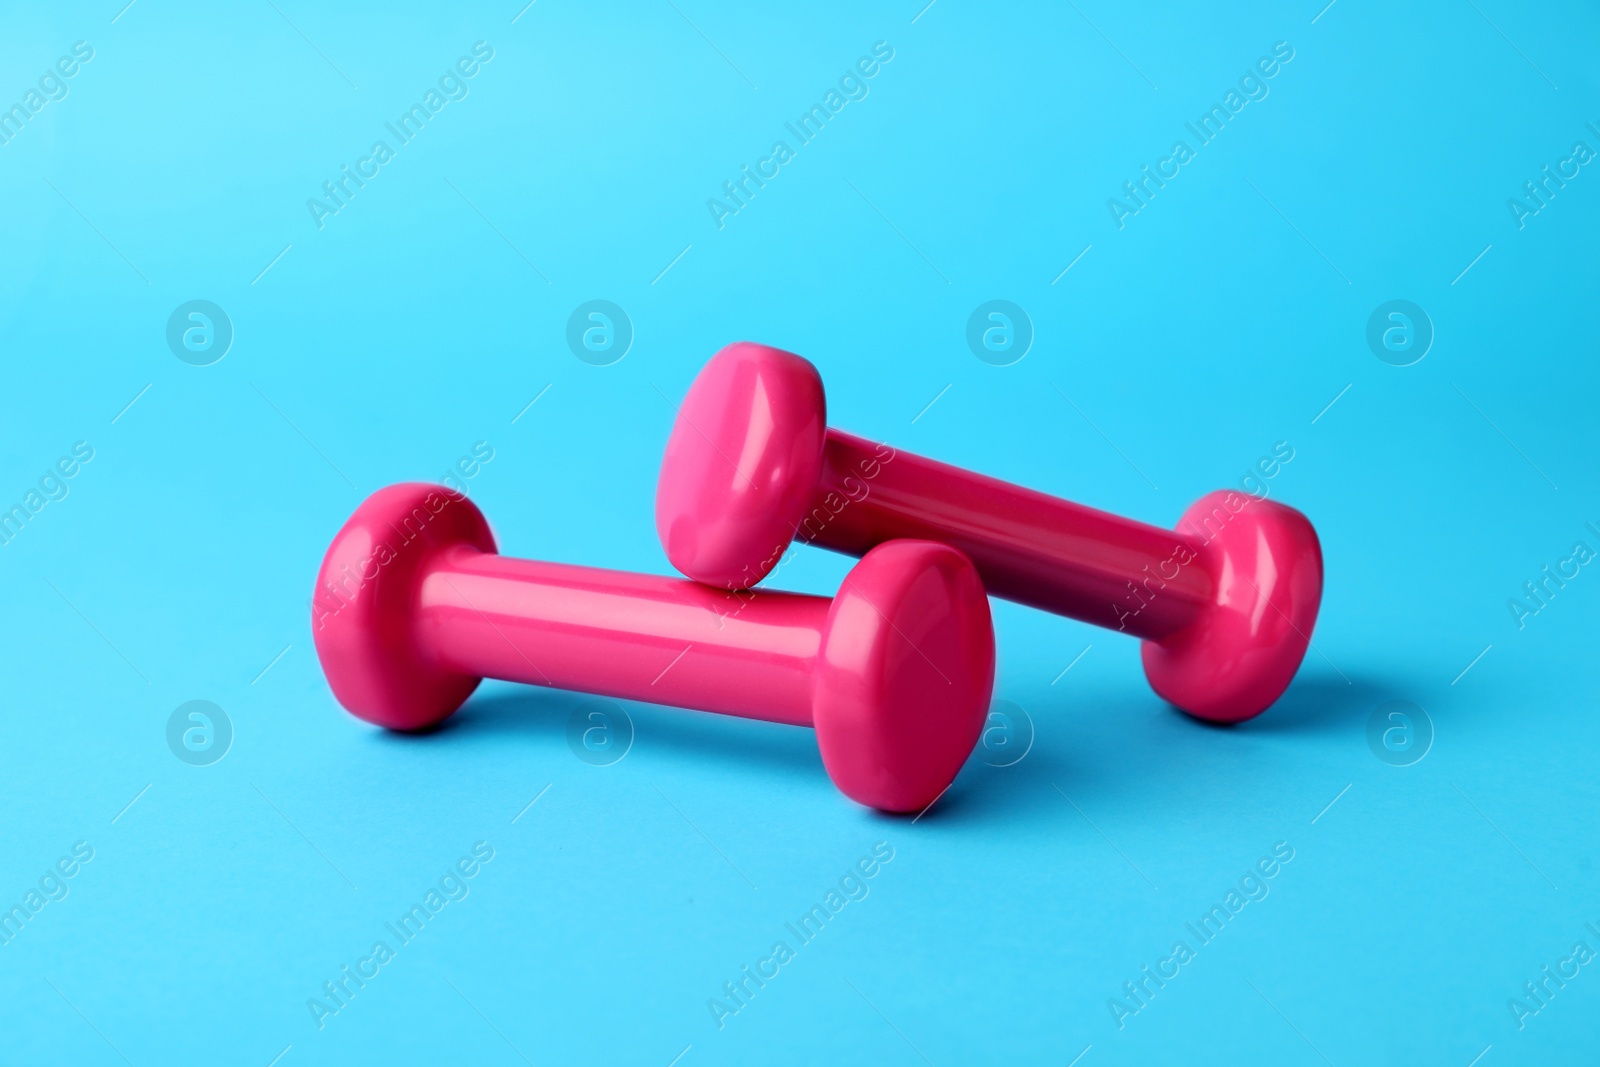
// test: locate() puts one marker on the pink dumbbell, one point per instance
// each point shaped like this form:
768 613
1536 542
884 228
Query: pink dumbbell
1225 604
413 607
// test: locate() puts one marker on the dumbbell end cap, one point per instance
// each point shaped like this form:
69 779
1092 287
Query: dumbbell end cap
904 675
362 612
1242 652
742 465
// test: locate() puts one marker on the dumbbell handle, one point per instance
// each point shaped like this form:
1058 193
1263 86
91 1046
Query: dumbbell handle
1032 548
630 636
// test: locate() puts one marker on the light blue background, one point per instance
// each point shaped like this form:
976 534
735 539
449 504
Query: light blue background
1222 319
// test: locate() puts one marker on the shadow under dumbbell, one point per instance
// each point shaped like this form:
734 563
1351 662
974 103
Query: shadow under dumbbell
719 739
1323 702
543 716
540 717
1009 795
1134 739
984 792
528 711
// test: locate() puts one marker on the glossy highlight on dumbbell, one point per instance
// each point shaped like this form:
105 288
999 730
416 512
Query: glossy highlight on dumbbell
1225 604
414 606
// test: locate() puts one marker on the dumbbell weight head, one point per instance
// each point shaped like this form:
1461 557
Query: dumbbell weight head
906 668
362 612
1242 650
742 465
